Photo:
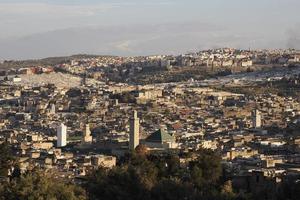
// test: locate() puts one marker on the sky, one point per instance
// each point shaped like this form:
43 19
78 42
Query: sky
32 29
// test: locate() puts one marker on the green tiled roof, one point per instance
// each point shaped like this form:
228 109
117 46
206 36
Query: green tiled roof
160 136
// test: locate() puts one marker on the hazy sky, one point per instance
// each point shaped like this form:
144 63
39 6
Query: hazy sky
35 29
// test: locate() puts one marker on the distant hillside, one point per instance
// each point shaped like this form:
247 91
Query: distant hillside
42 62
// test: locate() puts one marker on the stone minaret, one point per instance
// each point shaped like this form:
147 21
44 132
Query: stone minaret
256 119
87 137
134 138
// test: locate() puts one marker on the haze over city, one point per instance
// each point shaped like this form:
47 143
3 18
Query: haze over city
36 29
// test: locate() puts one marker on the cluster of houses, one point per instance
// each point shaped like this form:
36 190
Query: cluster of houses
71 131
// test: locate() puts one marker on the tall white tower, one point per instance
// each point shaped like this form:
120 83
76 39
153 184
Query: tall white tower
61 135
134 138
87 137
256 118
52 109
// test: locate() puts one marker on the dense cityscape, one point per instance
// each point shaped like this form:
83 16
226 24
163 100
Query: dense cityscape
215 124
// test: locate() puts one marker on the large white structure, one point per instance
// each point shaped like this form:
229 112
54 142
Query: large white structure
87 136
134 138
256 119
61 135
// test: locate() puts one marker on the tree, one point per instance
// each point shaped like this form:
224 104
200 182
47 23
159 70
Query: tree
173 189
290 189
227 190
41 186
160 177
120 183
168 165
205 172
6 159
145 169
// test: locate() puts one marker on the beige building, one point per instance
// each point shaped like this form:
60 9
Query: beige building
104 161
247 63
43 145
241 152
149 94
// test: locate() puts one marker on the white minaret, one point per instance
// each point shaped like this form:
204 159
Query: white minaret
52 109
256 119
134 138
87 137
61 135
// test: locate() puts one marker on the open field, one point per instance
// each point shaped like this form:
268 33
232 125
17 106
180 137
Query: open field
59 79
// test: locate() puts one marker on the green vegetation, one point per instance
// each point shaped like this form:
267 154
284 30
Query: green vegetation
140 175
32 186
40 186
161 177
6 159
